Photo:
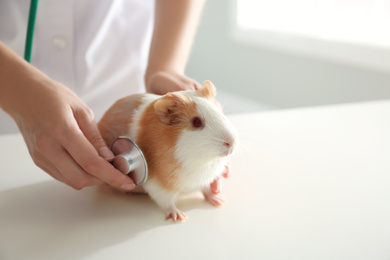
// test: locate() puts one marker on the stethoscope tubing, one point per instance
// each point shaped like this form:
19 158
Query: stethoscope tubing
30 30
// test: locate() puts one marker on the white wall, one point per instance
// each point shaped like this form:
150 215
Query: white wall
275 78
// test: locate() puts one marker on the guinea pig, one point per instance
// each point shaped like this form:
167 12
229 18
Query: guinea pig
184 136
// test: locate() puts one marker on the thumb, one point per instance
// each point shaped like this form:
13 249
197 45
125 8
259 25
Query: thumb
88 126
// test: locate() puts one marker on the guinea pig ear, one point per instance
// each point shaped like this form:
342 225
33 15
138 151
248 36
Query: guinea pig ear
208 90
171 108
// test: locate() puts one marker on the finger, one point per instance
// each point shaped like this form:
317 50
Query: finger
86 156
161 83
76 175
77 179
88 126
197 86
69 172
187 83
48 153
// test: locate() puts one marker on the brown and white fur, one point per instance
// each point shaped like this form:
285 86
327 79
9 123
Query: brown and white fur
184 136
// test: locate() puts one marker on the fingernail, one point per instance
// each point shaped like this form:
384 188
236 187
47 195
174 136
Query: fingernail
128 186
106 153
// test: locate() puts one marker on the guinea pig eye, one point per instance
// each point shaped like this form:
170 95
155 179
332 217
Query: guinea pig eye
197 122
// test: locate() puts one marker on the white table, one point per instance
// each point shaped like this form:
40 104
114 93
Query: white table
306 184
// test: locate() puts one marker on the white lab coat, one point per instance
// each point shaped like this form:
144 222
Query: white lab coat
98 49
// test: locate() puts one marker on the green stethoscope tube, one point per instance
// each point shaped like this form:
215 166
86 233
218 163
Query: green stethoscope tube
30 30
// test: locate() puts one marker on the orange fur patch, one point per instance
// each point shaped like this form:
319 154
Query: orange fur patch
118 118
175 109
157 140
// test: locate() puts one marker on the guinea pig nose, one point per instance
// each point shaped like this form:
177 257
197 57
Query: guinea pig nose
229 143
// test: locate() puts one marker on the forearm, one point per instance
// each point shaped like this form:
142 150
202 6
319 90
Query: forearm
15 74
174 30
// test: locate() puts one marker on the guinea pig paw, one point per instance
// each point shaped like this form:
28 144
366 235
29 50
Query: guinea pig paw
176 215
217 200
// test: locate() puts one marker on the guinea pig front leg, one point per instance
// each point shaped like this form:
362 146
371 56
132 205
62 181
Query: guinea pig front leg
166 200
215 199
175 214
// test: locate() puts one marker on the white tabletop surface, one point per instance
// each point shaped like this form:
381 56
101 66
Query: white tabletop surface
306 184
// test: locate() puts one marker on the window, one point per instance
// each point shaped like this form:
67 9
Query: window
352 31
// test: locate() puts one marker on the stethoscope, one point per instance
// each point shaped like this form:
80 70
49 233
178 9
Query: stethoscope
30 29
129 158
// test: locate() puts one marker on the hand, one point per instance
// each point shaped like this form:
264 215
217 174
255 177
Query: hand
62 136
162 82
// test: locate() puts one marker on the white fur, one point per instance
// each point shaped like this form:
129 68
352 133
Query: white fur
165 199
201 152
145 101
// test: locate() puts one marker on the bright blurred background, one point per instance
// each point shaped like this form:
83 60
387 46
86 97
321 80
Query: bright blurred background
281 54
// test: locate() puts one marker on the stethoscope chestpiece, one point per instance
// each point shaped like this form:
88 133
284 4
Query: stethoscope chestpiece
129 159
